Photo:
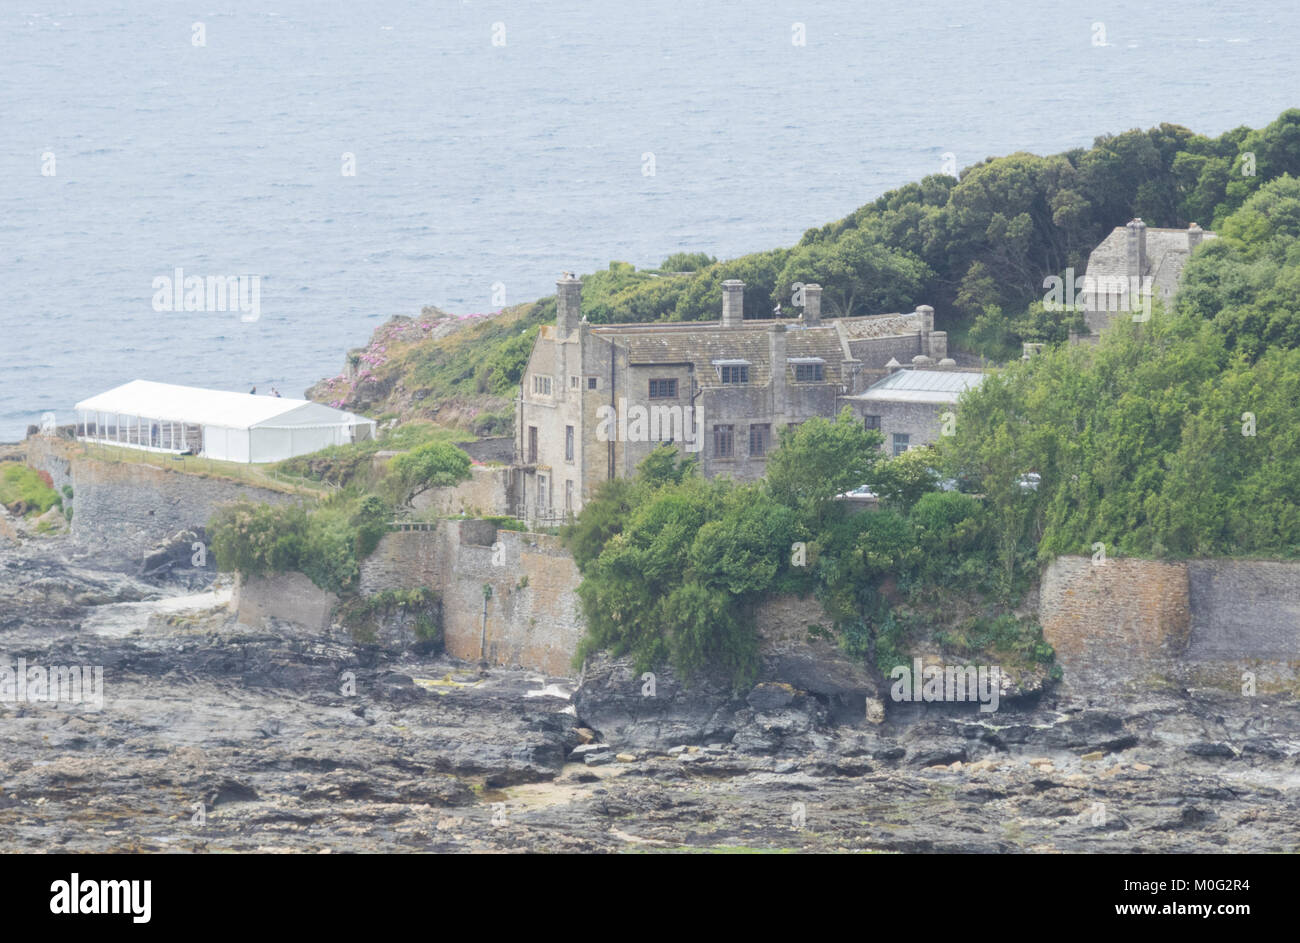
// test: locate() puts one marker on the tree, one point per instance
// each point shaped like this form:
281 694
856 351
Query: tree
432 465
820 459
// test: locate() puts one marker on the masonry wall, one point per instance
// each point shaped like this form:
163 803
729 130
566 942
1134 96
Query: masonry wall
121 510
1199 621
532 615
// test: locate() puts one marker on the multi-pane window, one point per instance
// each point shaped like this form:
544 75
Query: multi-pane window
591 383
724 441
663 389
532 445
573 383
760 436
735 373
541 384
808 372
568 443
871 422
900 442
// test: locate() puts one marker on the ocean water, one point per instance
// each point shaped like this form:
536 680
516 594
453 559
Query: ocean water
497 144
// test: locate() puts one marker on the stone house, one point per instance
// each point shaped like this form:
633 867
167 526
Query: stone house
910 406
1133 262
598 398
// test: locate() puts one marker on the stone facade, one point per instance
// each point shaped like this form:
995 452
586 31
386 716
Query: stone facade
596 399
1134 260
1201 621
908 406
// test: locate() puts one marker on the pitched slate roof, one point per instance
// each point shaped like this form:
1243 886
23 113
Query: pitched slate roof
704 342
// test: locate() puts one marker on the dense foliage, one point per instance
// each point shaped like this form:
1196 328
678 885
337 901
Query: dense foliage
1178 437
673 565
326 543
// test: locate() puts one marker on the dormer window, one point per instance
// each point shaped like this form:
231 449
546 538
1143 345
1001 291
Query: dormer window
732 371
808 369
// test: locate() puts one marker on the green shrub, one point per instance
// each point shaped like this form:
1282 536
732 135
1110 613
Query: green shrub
26 491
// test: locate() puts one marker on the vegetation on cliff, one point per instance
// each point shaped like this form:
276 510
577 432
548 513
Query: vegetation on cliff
673 565
26 491
1175 437
328 541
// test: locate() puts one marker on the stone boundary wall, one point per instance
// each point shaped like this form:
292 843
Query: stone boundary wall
122 510
1200 621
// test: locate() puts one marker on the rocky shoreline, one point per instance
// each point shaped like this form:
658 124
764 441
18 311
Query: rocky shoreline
214 737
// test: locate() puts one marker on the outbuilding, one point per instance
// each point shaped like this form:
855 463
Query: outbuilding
219 424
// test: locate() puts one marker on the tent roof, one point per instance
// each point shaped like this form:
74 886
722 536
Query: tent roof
198 406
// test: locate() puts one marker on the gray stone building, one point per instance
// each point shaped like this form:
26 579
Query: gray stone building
1134 261
597 399
908 407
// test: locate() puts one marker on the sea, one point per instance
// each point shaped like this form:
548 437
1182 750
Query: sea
356 160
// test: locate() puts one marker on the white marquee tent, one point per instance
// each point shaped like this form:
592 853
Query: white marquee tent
235 427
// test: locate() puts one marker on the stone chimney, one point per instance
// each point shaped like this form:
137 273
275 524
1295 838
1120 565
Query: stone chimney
1136 256
733 302
568 305
1194 234
925 314
812 305
938 345
776 345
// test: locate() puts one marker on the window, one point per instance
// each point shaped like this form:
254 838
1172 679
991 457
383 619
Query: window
900 442
734 373
808 372
724 441
532 445
568 497
541 385
592 383
543 494
871 422
573 383
759 437
568 443
663 389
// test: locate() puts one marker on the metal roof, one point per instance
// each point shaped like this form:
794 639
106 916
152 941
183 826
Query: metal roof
192 404
921 386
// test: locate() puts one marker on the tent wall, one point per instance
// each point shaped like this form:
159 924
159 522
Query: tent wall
229 445
273 445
